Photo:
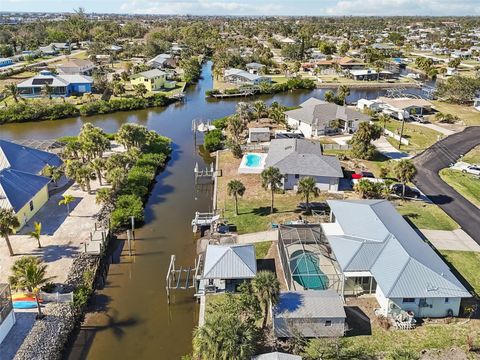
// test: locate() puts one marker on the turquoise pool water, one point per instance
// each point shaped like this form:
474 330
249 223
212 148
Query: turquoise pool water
253 160
306 271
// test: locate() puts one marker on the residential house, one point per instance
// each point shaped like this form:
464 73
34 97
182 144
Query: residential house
226 267
22 187
379 253
153 80
162 61
402 108
316 117
61 85
5 62
242 77
255 68
298 158
7 315
310 313
76 67
369 74
54 48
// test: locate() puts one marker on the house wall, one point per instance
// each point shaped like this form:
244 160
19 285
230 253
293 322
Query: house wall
151 84
382 300
7 325
80 88
323 182
308 327
436 307
25 214
306 129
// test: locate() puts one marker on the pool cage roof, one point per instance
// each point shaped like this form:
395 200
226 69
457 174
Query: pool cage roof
307 258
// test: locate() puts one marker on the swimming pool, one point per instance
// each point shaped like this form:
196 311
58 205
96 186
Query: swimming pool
252 163
253 160
306 270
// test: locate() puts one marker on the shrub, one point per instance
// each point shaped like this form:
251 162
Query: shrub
125 207
213 140
237 151
220 123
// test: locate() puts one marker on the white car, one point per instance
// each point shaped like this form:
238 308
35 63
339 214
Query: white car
472 169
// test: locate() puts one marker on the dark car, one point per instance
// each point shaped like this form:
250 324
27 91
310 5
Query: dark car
397 189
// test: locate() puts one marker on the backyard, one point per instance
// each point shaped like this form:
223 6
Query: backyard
425 216
467 114
419 137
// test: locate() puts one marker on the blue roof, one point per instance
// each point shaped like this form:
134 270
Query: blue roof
26 159
17 188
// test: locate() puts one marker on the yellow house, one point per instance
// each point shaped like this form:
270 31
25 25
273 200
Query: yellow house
152 79
22 188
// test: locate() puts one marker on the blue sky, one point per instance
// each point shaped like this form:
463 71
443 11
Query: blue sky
254 7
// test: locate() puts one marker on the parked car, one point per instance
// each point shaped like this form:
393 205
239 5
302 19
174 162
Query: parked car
397 189
472 169
419 118
363 174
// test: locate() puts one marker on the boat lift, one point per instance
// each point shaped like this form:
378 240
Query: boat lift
182 278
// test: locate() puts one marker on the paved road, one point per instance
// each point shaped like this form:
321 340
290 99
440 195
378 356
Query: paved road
439 156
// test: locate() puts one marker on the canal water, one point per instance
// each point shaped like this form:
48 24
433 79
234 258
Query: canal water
132 319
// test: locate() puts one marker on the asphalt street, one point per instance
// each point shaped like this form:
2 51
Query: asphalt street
442 155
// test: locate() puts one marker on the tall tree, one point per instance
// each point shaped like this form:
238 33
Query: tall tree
272 179
29 273
307 187
404 170
343 93
361 140
12 90
267 288
67 200
384 119
235 188
8 223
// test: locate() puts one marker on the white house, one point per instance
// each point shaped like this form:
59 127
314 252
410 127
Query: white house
242 77
402 108
379 253
316 117
298 158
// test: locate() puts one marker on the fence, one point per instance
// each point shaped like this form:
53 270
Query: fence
56 297
396 137
336 147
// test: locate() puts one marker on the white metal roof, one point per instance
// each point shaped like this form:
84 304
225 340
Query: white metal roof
230 262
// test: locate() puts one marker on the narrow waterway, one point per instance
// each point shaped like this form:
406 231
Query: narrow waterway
133 319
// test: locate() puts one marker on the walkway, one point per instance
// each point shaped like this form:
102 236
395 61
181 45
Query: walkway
261 236
451 240
440 155
388 149
438 128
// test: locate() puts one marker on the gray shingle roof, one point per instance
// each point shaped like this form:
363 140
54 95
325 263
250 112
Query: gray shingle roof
320 113
378 239
303 157
150 74
230 262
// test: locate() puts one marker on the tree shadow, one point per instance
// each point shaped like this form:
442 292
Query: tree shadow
51 253
265 211
440 199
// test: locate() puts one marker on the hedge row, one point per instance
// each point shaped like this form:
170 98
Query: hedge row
41 110
140 177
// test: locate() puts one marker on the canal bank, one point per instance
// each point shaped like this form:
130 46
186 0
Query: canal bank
130 317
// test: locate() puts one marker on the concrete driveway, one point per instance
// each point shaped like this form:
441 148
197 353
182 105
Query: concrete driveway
388 149
440 155
451 240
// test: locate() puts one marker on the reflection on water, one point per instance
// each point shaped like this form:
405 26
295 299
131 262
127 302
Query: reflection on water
132 319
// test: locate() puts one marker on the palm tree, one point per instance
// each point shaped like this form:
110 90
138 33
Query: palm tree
267 288
8 223
236 188
384 120
47 91
307 187
272 179
67 199
235 127
29 273
404 171
104 196
36 233
259 108
98 164
140 90
343 92
12 90
116 177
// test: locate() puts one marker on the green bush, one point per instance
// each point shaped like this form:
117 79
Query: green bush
213 140
221 123
125 207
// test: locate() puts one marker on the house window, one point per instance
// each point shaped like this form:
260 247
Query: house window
408 300
297 176
328 323
447 300
31 205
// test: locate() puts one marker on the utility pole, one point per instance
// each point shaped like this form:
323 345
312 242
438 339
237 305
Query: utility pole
401 134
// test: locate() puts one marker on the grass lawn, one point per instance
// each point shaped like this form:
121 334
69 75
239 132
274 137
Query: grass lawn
466 263
426 216
261 249
467 114
473 156
419 137
254 207
466 184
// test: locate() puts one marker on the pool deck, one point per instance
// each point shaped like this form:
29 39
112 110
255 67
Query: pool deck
246 169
